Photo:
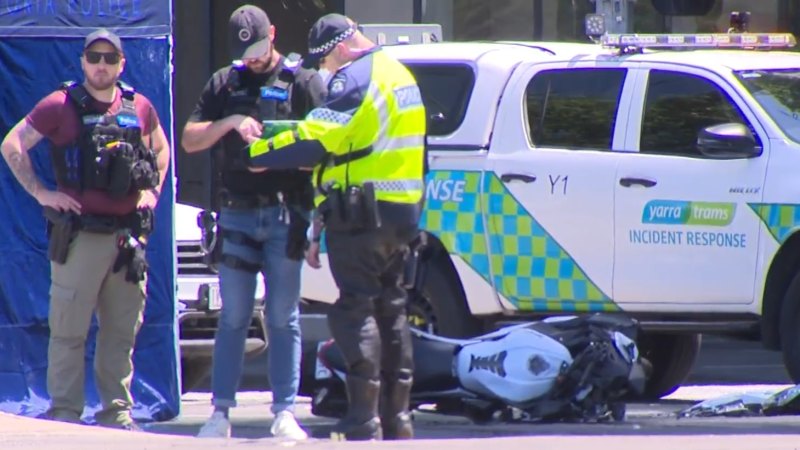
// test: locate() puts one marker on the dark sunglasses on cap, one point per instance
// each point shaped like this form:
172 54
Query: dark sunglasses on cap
109 57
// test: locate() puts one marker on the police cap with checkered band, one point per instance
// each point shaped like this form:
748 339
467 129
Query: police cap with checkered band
249 32
328 31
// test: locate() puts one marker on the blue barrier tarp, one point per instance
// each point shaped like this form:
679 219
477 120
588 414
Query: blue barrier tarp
31 68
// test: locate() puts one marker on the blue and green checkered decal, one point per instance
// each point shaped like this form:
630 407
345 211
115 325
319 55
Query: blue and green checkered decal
781 219
527 266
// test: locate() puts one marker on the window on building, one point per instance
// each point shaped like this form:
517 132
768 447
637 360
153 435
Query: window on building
573 108
446 90
679 105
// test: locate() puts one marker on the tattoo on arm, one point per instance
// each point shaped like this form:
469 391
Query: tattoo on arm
18 159
21 166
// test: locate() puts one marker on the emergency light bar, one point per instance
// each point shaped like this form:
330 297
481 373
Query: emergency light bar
717 40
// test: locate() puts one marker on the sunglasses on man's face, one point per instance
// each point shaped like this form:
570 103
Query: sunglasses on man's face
109 57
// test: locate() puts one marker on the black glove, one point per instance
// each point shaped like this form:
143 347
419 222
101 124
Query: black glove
132 256
137 267
124 256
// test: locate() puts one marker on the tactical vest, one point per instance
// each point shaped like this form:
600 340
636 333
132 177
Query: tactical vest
109 154
271 101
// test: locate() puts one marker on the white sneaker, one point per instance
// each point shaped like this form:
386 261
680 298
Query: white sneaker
216 427
285 426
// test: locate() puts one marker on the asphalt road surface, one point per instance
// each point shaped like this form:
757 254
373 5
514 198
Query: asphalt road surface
724 367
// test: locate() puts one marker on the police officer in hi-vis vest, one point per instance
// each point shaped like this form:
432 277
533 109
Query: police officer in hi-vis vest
366 144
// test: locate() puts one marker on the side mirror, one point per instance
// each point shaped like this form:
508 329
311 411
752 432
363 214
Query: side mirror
727 141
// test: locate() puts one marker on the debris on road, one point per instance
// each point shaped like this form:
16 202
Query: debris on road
754 403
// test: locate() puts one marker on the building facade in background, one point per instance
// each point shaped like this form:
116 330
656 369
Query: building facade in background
562 20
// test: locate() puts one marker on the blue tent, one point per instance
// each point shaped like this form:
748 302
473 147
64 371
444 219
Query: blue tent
40 45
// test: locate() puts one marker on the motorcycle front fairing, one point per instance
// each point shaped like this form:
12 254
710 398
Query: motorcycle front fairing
516 366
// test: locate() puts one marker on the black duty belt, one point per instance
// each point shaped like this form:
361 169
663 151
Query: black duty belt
95 223
236 201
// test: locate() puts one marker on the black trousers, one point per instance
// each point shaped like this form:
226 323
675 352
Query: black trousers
369 320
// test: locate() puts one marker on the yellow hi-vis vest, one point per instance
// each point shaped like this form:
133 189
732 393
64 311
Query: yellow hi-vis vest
381 139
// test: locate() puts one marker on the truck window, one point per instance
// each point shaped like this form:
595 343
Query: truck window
446 90
573 108
679 105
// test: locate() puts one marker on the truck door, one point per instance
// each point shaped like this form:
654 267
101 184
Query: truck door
549 197
685 233
453 209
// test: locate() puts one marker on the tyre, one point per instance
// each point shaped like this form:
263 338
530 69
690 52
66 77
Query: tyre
789 328
479 415
439 306
618 411
193 372
672 357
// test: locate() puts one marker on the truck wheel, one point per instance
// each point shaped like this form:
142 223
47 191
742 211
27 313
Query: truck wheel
193 372
790 329
439 306
672 357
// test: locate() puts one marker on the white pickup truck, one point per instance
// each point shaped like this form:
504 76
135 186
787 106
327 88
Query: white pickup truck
568 178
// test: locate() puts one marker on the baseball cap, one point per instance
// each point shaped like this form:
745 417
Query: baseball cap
103 35
249 32
328 31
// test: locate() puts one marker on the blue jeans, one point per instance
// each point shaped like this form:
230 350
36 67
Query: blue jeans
237 288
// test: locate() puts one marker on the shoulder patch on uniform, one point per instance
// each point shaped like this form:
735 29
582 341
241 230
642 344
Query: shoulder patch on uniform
408 97
337 86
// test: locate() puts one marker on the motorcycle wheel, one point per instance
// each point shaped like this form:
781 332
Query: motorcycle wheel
618 411
478 415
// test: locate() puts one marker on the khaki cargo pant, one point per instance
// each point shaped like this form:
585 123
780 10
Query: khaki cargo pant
81 286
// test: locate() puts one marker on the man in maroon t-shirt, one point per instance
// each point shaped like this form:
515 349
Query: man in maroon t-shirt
92 276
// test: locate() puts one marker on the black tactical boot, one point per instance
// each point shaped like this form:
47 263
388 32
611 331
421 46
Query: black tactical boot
395 417
361 422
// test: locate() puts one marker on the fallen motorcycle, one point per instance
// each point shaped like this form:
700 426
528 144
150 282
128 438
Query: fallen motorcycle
576 368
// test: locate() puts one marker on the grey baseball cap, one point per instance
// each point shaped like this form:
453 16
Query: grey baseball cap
103 35
249 32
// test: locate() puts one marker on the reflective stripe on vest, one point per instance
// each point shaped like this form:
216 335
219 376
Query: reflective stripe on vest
391 120
398 185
